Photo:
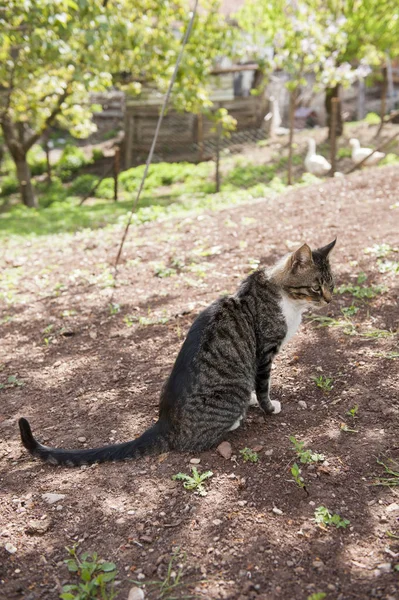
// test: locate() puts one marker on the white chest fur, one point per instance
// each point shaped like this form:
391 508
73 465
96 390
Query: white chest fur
292 311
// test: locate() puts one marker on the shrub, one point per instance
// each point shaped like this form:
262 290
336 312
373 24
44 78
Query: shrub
105 189
82 185
51 193
98 154
37 160
372 118
72 159
8 185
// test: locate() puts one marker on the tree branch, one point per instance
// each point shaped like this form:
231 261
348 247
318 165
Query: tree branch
49 121
9 91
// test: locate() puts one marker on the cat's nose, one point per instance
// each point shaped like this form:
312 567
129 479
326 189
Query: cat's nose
326 295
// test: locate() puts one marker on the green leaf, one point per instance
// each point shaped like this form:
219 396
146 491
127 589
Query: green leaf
108 566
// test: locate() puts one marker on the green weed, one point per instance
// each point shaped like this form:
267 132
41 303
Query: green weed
173 579
324 517
353 411
161 270
299 480
96 577
348 328
114 308
360 291
195 482
305 456
324 383
380 250
249 455
12 381
392 471
317 596
349 311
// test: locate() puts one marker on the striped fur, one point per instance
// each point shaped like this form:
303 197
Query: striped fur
227 354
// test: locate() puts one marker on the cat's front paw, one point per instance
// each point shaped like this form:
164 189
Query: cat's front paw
254 399
276 406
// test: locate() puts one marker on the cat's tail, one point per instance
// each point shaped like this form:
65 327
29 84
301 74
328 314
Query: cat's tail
152 441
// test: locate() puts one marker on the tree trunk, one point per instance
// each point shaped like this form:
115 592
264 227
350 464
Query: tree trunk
13 137
25 182
330 94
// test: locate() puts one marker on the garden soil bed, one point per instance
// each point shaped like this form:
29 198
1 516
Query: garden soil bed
78 371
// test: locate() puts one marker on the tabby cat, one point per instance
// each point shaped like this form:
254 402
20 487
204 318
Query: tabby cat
227 354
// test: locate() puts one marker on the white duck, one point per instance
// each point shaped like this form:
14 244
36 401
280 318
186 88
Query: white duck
358 153
315 163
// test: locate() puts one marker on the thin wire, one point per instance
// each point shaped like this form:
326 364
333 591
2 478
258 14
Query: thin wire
154 141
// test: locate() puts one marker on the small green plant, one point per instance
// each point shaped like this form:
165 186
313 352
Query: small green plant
324 383
344 427
173 579
349 311
12 381
299 480
249 455
305 456
380 250
392 471
96 577
160 270
129 320
68 313
195 482
353 411
114 308
317 596
324 517
360 291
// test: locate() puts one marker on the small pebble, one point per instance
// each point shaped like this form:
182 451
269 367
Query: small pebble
242 502
135 593
52 498
277 511
195 461
302 404
82 439
10 548
225 450
217 521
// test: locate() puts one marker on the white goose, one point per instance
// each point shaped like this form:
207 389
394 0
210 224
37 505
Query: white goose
358 153
316 163
275 119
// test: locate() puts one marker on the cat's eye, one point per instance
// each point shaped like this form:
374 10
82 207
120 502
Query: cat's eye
316 289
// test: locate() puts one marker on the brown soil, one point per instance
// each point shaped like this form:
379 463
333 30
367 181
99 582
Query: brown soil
94 376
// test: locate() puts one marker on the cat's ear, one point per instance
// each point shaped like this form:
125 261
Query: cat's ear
325 251
301 257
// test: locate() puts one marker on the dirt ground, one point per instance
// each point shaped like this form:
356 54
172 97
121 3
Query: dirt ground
78 371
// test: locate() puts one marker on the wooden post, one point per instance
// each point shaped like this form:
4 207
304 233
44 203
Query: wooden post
116 172
47 151
384 89
360 100
333 134
200 135
217 173
291 136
